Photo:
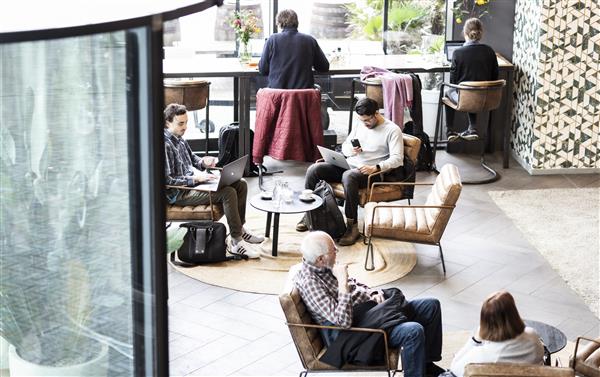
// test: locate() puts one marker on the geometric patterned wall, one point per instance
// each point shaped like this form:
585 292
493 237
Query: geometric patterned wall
556 52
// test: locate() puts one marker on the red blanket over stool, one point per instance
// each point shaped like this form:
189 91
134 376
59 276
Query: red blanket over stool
288 125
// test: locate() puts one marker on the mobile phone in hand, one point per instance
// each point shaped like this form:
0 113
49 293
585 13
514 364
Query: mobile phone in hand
355 143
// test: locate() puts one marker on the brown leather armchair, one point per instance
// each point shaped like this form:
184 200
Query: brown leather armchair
309 344
383 192
586 359
415 223
210 211
515 370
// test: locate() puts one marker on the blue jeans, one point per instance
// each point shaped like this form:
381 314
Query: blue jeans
420 338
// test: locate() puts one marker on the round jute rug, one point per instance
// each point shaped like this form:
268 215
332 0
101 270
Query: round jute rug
393 260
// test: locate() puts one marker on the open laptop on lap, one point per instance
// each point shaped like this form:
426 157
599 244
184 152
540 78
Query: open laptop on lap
231 173
334 157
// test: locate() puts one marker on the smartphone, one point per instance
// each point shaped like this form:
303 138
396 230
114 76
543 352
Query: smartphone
355 143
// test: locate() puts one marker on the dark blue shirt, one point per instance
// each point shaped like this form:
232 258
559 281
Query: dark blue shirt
288 59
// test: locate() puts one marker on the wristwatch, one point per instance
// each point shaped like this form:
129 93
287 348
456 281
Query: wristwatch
378 167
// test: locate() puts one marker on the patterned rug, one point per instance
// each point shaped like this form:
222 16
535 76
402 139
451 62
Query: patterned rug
393 260
562 224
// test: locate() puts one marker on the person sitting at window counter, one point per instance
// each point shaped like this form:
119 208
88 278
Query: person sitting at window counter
502 337
474 61
289 56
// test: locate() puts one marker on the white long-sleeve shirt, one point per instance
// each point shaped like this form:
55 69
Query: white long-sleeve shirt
525 348
381 145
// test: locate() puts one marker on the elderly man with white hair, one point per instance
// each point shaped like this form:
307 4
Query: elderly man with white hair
333 298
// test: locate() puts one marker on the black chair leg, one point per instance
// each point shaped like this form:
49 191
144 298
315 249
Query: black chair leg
442 257
304 373
438 129
369 251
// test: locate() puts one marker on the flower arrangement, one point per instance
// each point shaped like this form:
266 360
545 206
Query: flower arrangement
464 9
245 24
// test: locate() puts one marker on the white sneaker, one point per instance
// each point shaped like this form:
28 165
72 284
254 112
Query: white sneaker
237 247
251 238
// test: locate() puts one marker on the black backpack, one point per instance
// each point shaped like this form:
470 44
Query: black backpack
328 216
229 143
425 156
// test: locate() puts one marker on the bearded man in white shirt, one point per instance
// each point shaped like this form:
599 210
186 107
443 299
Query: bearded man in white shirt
381 148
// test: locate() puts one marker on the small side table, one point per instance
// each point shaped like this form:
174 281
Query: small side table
268 206
554 339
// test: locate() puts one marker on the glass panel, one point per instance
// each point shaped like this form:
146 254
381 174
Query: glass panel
341 26
65 264
416 26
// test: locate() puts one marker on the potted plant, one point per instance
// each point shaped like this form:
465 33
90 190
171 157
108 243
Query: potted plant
64 296
45 286
245 24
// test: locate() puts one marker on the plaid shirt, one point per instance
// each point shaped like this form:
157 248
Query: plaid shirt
319 290
179 160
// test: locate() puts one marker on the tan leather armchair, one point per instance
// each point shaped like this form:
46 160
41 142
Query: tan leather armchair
586 359
309 344
415 223
210 211
515 370
383 192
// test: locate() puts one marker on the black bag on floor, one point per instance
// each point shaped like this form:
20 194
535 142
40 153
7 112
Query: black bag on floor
229 146
204 242
328 216
425 156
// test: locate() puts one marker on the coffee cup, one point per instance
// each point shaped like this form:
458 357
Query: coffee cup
306 193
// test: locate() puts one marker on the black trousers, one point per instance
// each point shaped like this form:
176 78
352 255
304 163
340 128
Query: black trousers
352 180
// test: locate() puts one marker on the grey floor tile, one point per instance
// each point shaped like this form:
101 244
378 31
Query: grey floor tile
202 356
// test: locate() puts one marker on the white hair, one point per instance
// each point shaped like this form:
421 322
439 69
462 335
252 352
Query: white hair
314 245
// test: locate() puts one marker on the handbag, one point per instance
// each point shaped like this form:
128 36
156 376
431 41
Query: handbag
204 242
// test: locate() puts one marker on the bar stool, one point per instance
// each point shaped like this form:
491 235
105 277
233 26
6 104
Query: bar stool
373 90
194 95
473 97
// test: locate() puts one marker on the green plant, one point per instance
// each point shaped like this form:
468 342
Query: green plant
407 21
464 9
63 217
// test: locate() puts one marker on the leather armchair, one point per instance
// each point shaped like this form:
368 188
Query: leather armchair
515 370
586 359
210 211
309 344
415 223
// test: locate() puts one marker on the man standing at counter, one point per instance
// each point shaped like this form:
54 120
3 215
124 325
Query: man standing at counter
288 57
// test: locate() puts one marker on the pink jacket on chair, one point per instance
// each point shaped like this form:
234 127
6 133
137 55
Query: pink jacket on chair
288 125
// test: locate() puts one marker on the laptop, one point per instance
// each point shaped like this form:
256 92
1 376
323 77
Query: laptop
231 173
450 47
334 157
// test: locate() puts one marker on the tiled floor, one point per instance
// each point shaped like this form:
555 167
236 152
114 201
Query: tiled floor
218 332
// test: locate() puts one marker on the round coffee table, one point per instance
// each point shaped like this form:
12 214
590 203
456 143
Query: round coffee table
269 206
554 339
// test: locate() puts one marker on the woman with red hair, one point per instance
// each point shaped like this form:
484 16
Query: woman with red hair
502 337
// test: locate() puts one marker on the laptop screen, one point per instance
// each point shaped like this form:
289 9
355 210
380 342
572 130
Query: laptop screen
450 47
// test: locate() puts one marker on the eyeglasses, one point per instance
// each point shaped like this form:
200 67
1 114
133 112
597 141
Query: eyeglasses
367 120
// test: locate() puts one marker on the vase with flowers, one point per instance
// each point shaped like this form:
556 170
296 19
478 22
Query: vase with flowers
464 9
245 24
